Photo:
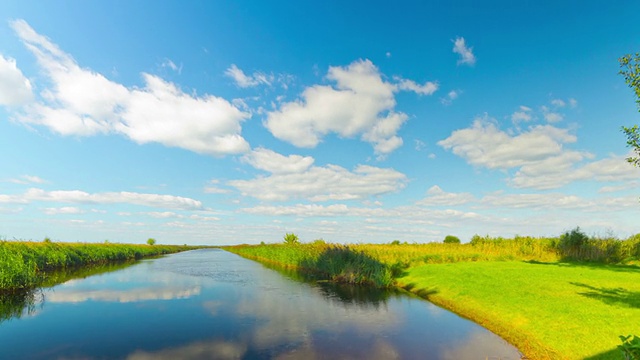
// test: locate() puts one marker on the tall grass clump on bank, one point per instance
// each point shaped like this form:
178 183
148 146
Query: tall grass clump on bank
339 263
25 264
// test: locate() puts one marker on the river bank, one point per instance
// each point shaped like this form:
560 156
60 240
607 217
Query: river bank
523 290
25 264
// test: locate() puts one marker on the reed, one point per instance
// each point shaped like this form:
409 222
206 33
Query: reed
25 264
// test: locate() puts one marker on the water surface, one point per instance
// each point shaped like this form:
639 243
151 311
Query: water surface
210 304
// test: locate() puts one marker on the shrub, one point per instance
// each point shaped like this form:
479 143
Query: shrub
450 239
291 239
630 347
151 241
573 240
395 242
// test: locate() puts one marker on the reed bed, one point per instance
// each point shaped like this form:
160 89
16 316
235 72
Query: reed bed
24 264
380 263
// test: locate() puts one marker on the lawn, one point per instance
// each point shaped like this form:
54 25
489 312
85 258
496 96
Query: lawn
548 310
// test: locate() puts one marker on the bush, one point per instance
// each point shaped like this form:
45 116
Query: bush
573 240
450 239
151 241
291 239
395 242
630 347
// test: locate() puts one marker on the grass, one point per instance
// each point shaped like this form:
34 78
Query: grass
25 264
554 298
548 310
16 304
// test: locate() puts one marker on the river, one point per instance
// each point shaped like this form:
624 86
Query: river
211 304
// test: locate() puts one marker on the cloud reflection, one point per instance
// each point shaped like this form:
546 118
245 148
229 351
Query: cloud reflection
121 296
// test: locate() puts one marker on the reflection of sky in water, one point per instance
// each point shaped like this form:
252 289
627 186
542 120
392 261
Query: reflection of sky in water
209 304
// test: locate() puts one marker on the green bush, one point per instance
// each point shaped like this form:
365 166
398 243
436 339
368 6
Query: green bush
450 239
630 347
291 239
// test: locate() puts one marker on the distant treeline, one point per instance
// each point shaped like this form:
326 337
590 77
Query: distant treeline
25 264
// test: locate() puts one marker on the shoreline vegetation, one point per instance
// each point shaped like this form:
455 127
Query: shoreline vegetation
569 297
27 264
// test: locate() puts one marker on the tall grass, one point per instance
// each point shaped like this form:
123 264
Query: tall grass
24 264
342 262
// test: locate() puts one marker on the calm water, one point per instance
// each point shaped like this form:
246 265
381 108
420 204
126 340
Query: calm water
210 304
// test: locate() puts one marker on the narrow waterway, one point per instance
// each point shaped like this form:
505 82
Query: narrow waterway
210 304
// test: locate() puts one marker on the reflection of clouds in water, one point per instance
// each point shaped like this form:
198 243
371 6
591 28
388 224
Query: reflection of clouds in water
217 349
380 350
481 345
213 307
121 296
290 313
195 351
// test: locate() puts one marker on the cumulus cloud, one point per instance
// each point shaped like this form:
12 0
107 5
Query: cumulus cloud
537 154
466 53
522 115
360 104
551 116
15 89
484 144
271 161
123 197
427 88
331 182
558 171
81 102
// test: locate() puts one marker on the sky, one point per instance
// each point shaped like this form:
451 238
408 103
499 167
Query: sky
211 122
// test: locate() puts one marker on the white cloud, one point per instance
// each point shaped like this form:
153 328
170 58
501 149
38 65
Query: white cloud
323 183
466 53
270 161
63 210
124 197
28 179
307 210
551 116
524 114
558 103
438 197
171 65
427 88
483 144
573 103
213 188
361 103
244 81
558 171
15 89
82 102
452 95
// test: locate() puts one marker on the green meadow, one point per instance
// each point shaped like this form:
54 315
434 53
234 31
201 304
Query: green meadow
569 297
27 264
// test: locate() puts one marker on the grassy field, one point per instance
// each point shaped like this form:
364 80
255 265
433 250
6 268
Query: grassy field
555 298
26 264
548 310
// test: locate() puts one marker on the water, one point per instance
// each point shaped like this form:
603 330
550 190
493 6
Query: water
210 304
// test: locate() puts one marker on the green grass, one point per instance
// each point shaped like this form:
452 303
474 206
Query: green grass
549 311
25 265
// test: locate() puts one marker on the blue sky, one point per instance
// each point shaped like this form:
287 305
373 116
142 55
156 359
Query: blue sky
235 122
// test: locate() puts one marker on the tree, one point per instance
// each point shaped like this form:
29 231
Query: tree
450 239
630 65
291 239
151 241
